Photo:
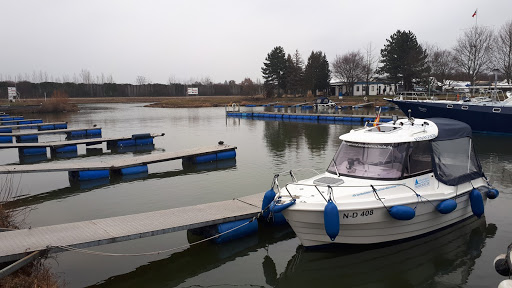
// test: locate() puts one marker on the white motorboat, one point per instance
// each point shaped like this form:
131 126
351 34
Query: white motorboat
324 102
387 182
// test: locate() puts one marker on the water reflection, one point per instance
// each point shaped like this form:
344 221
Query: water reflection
442 259
80 187
197 259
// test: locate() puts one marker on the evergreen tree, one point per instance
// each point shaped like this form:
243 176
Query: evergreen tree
273 71
403 59
317 75
294 73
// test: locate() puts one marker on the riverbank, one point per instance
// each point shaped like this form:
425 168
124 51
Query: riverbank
52 106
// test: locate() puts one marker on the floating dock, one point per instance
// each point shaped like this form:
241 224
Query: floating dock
33 135
20 243
30 149
35 124
196 155
88 142
309 116
17 121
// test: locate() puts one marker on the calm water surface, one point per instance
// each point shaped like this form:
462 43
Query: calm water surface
460 256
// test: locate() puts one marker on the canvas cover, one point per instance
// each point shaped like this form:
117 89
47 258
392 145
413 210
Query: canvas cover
453 155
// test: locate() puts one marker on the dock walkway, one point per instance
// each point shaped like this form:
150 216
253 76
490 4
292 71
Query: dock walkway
309 116
20 243
57 144
114 164
16 121
42 132
30 125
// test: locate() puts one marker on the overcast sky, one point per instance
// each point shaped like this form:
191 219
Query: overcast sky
222 40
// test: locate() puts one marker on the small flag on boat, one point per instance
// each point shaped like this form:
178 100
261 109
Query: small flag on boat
474 14
376 122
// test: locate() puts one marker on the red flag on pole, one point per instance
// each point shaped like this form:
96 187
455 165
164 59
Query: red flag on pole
474 14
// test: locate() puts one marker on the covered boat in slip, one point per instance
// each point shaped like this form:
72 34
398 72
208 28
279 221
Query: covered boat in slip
387 182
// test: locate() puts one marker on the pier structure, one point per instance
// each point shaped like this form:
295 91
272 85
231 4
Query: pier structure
18 244
32 136
125 166
34 124
71 145
309 116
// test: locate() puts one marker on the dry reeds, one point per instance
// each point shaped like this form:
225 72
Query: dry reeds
58 102
35 274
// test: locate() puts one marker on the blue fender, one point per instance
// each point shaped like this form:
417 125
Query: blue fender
493 193
446 206
275 208
267 200
401 212
331 220
477 202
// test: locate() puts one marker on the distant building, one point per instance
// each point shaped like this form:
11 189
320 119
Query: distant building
374 88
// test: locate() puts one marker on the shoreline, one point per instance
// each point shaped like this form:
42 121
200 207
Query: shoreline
34 105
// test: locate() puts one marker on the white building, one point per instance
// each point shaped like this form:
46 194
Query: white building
374 88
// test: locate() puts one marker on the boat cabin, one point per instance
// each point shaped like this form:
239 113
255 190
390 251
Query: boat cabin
408 148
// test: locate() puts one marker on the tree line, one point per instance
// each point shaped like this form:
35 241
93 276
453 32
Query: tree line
478 52
41 84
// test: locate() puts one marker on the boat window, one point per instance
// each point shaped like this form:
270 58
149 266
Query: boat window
419 159
455 161
369 160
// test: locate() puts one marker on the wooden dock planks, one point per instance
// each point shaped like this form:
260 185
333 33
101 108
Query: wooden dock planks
19 243
113 164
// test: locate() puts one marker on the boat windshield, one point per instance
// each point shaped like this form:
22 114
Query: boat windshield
369 160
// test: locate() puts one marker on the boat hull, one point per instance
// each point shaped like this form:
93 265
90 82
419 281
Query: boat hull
369 226
481 118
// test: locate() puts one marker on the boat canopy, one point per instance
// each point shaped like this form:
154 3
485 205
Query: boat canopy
453 154
405 151
448 129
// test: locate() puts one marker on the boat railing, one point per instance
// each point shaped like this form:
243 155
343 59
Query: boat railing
415 96
371 187
497 95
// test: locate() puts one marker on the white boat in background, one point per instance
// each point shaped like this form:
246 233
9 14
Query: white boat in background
387 182
324 102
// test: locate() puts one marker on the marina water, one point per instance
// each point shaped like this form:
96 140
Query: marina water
460 256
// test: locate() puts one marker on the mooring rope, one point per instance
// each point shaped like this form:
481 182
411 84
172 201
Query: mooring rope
85 251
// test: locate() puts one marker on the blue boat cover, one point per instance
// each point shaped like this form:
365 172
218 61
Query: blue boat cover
450 129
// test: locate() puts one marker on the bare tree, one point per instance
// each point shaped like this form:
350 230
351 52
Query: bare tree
349 68
110 79
140 80
503 49
370 64
86 76
441 62
473 52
